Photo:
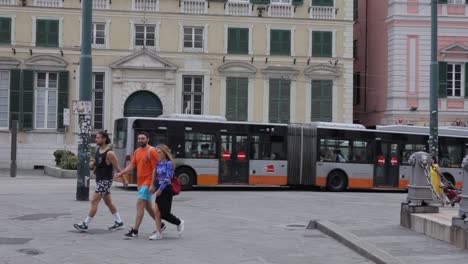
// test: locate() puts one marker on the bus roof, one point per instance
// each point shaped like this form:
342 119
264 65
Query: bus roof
443 131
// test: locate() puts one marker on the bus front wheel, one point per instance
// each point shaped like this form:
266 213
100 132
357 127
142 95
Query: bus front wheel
336 181
186 177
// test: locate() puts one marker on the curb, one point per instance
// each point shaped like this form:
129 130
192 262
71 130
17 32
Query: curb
353 242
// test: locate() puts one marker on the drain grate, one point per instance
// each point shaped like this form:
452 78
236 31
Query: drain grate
35 217
30 251
14 240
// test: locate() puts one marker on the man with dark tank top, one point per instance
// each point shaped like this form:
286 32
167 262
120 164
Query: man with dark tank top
104 163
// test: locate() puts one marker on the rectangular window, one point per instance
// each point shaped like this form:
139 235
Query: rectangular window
145 35
99 35
98 100
357 88
454 79
193 38
200 146
280 42
334 150
456 2
355 48
4 98
280 1
192 95
280 99
408 150
47 33
322 100
268 147
237 98
238 40
46 100
5 30
322 2
322 44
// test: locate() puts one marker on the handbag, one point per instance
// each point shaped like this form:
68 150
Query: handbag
175 182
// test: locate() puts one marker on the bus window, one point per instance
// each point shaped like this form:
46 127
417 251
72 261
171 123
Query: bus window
200 145
158 138
408 150
120 134
450 156
333 150
268 147
359 153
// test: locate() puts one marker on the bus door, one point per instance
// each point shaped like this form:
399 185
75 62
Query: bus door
234 161
386 166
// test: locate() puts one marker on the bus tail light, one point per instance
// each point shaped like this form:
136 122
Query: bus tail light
127 161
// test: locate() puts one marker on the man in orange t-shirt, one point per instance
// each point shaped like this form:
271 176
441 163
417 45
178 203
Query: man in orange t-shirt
145 159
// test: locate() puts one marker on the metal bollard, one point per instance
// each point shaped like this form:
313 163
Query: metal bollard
419 189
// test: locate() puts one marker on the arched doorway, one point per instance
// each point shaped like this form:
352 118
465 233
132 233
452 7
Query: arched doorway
143 103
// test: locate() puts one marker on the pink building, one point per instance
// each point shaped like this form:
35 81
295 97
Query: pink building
392 51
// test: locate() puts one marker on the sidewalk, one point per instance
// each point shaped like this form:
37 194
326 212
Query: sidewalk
221 227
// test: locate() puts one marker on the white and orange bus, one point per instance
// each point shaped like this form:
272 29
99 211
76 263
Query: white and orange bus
211 151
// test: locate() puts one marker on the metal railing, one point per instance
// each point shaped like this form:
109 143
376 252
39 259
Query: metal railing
101 4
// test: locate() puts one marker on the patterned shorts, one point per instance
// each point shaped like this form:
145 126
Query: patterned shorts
103 187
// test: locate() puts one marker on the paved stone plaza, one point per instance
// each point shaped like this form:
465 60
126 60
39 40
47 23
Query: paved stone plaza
221 227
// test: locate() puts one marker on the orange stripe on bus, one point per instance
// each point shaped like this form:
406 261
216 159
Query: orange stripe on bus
321 181
268 180
207 180
404 184
459 185
360 183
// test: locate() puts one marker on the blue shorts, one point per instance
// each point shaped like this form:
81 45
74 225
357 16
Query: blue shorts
144 193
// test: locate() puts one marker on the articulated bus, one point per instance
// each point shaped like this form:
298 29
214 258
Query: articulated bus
210 151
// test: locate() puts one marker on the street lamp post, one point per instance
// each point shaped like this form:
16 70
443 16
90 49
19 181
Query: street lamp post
84 117
433 133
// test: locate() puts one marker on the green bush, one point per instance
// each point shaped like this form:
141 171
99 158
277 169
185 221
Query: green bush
69 162
59 154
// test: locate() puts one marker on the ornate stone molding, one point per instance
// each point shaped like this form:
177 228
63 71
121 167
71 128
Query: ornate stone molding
237 68
46 62
7 63
144 60
322 71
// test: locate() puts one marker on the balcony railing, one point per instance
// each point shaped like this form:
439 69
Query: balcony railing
281 10
7 2
194 6
101 4
238 9
323 12
48 3
146 5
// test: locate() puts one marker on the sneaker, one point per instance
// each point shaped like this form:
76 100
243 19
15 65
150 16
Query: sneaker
132 233
181 227
82 227
116 226
155 236
163 227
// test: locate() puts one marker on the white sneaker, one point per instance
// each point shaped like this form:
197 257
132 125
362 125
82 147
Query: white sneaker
156 236
181 227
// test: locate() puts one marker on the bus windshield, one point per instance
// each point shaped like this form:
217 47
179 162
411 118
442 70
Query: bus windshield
120 135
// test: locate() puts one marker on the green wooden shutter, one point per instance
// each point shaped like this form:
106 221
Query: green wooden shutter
322 44
442 1
279 108
466 77
41 32
62 98
236 98
5 30
327 44
53 34
316 44
297 2
280 42
238 40
286 42
322 2
260 1
28 100
15 95
321 101
442 79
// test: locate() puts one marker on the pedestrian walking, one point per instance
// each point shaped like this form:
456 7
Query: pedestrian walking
145 159
163 187
104 162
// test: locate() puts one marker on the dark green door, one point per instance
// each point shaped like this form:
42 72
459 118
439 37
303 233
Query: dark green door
143 104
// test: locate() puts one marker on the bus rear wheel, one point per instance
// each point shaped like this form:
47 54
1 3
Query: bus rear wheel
336 181
186 177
